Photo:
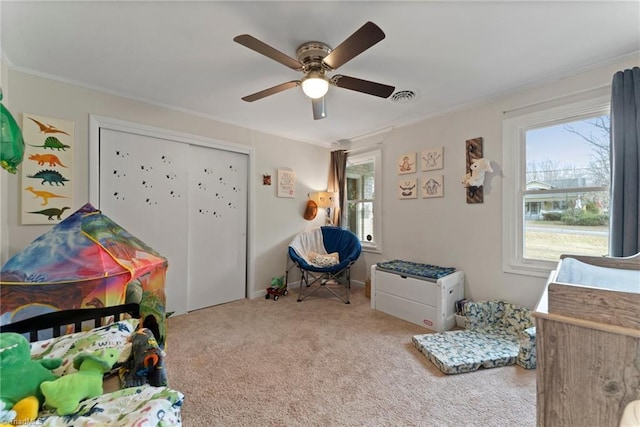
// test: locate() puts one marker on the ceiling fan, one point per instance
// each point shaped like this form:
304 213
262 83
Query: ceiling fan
315 59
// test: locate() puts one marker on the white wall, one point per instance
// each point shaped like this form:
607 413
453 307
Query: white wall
278 220
448 231
272 222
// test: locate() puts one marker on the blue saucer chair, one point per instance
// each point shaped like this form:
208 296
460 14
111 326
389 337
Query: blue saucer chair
331 277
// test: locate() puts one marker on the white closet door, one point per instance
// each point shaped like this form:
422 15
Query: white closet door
186 201
217 226
144 188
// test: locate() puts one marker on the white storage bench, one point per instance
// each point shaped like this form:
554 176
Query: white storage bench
402 289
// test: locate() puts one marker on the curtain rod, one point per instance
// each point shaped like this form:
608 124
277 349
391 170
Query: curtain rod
363 148
578 94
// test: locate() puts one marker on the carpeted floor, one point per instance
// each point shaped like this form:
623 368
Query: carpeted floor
324 363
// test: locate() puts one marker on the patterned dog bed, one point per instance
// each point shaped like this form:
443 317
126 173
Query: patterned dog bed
498 334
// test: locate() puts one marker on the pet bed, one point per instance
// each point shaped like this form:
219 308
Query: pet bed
498 334
143 405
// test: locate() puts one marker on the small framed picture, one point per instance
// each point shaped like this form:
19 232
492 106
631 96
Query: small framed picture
432 159
408 188
286 183
433 186
406 163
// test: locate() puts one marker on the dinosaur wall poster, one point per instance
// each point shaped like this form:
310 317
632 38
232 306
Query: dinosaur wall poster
47 170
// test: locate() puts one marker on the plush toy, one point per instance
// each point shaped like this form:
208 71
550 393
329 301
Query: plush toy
22 413
478 168
65 393
11 141
21 378
146 364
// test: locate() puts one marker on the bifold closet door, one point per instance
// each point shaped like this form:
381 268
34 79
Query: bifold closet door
189 203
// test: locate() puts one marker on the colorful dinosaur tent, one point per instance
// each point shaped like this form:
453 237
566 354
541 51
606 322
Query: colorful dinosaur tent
85 261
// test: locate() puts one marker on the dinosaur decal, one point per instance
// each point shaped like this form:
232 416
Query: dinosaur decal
52 159
47 128
53 143
45 195
50 176
51 212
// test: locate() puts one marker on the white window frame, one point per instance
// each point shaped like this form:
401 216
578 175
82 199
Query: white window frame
514 168
363 157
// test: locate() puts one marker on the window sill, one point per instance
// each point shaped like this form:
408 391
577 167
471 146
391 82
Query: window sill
536 269
371 249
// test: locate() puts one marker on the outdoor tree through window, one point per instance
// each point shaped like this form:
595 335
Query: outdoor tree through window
556 188
566 197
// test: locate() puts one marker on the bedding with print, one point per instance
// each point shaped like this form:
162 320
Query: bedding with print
67 347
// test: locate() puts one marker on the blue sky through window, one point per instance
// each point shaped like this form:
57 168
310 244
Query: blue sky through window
557 144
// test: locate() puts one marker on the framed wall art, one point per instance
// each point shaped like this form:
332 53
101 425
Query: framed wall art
406 163
47 170
286 183
408 188
433 186
432 159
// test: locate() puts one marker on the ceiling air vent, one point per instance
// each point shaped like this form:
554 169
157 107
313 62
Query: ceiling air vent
403 96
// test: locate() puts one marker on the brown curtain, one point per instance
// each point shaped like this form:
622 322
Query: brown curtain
337 174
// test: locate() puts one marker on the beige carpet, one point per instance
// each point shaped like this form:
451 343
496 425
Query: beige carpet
324 363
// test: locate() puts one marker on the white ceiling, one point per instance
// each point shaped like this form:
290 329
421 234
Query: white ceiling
182 55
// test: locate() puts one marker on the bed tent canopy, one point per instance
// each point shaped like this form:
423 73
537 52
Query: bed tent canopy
85 261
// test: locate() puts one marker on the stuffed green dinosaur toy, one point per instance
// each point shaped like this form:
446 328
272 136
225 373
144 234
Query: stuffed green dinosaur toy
19 375
65 393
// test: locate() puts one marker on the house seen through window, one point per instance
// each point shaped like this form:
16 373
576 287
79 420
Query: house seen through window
361 214
566 197
556 188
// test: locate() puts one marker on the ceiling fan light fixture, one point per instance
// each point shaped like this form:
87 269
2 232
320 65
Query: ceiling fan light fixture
315 85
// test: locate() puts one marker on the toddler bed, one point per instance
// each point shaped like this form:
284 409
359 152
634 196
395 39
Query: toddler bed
134 406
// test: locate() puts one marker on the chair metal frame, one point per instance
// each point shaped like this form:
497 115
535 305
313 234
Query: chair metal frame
328 280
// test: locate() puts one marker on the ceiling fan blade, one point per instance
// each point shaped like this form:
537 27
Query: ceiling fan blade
364 86
319 108
268 51
271 91
365 37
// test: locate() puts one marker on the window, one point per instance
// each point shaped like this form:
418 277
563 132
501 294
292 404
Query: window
362 215
556 192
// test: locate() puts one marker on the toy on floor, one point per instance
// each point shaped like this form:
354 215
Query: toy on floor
146 364
65 393
20 395
277 288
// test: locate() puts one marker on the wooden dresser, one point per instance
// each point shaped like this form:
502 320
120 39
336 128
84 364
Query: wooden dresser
588 350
